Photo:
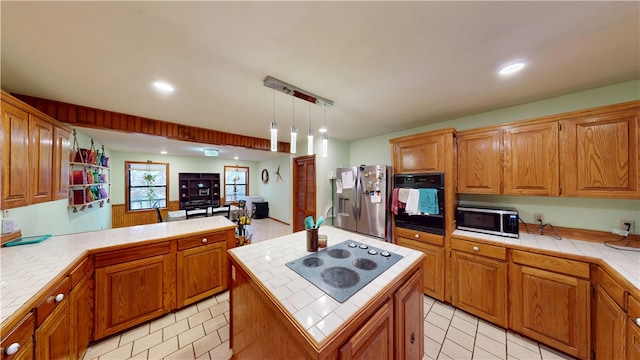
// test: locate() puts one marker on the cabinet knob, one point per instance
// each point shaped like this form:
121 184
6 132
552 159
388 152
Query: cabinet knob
204 240
417 236
12 349
413 337
59 297
638 321
476 249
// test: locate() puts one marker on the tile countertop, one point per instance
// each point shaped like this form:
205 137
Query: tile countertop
626 263
314 310
26 269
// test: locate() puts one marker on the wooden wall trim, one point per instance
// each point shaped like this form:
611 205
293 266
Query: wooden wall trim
110 120
120 217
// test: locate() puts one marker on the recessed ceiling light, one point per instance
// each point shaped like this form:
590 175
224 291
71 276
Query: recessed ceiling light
235 158
323 130
510 69
164 86
163 152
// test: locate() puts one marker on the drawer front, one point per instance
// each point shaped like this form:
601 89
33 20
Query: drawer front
492 251
18 337
551 263
79 272
52 299
131 254
634 310
612 288
420 236
200 240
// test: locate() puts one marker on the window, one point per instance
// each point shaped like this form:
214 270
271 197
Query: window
146 185
236 183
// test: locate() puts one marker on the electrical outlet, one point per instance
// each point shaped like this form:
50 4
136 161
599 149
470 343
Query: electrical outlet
538 218
5 213
632 228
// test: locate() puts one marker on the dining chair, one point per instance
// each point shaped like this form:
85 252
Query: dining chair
159 214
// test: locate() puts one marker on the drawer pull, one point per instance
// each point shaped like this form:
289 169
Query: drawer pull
417 236
204 240
12 349
59 297
476 249
638 321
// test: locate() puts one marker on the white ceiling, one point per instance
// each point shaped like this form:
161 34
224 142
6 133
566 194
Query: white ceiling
388 66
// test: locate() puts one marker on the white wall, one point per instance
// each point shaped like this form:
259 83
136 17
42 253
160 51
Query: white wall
277 191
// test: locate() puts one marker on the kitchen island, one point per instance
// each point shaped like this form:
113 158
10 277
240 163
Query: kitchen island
276 313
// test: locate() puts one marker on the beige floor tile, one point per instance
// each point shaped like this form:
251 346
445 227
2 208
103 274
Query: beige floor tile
551 354
182 354
134 334
523 341
199 318
214 324
175 329
186 312
431 347
141 356
190 335
207 303
492 346
220 298
223 332
463 315
455 351
102 347
492 331
163 349
123 352
220 308
206 344
221 352
162 322
461 338
426 357
481 354
434 332
442 309
147 342
205 356
517 351
438 320
464 325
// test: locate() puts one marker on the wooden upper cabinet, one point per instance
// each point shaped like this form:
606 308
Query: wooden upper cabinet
60 176
41 162
601 155
422 153
479 162
531 159
15 157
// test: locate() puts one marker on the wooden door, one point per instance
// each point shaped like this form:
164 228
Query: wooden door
600 156
15 157
609 327
53 339
201 272
60 176
130 293
41 162
479 162
433 266
479 286
409 315
374 341
304 190
531 160
552 308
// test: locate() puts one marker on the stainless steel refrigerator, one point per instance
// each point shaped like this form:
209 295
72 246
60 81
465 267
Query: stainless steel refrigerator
361 200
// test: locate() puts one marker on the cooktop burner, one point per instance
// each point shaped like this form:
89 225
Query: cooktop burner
343 269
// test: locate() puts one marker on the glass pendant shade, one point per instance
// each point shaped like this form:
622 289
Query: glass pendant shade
310 142
294 139
325 144
274 136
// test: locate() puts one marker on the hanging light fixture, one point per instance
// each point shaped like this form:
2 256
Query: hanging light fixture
310 136
294 129
325 135
274 126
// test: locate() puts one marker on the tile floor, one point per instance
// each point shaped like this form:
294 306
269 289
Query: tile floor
201 331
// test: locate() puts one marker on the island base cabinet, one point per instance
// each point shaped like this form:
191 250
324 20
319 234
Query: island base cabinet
201 269
608 327
17 343
374 341
633 340
131 292
409 312
53 339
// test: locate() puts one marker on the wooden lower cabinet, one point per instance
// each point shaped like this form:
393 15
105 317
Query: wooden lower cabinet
82 306
129 292
479 280
632 349
374 340
550 301
609 327
53 336
202 263
434 263
409 312
17 343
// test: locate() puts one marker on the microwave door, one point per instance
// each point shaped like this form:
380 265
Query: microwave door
346 201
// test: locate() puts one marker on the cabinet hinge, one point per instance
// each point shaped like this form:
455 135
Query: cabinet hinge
593 355
593 289
560 190
559 127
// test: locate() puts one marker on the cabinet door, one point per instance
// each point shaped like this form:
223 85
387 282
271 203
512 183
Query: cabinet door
374 341
433 266
409 315
609 327
81 317
60 177
479 162
633 339
201 272
551 308
601 156
531 160
41 162
479 286
53 336
130 293
15 157
419 154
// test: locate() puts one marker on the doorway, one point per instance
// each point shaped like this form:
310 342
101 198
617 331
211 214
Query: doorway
304 190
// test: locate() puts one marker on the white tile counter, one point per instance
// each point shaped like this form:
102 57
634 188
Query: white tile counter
314 310
626 263
26 269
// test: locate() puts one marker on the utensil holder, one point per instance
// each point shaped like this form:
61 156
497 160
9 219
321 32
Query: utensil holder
312 240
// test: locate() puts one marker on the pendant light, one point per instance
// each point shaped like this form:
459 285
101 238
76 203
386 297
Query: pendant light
325 135
294 129
274 126
310 135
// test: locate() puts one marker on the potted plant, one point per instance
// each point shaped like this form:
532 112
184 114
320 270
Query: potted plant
150 179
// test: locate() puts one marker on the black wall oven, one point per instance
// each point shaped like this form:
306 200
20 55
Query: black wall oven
431 222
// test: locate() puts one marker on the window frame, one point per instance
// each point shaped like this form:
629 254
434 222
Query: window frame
127 193
245 169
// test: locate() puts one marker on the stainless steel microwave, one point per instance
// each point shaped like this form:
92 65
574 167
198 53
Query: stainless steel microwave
486 220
